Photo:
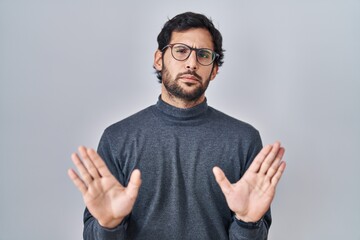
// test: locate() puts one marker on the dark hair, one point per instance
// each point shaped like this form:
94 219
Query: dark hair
186 21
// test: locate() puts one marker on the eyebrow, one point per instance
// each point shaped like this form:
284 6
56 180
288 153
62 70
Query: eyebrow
192 46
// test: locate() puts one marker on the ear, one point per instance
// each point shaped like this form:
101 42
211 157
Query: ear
158 60
214 72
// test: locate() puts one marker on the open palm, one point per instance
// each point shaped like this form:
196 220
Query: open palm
251 196
106 199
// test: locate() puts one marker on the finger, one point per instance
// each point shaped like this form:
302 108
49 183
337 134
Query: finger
223 182
77 181
88 162
275 180
99 163
134 184
259 159
270 158
276 164
86 177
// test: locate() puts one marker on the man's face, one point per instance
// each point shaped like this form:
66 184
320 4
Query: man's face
186 79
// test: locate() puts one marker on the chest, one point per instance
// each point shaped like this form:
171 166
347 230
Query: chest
185 153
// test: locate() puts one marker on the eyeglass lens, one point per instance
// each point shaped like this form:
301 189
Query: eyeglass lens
181 52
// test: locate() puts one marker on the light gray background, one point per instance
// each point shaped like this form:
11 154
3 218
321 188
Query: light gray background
68 69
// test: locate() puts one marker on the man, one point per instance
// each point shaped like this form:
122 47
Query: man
165 172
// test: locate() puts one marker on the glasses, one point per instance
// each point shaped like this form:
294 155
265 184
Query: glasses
181 52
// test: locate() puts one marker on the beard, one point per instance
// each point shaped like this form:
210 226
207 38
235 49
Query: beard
175 89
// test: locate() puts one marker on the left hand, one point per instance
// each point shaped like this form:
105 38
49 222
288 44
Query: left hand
251 196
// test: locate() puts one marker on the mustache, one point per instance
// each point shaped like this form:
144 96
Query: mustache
197 76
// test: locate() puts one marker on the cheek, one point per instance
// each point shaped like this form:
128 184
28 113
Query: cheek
206 74
167 71
168 59
170 63
172 67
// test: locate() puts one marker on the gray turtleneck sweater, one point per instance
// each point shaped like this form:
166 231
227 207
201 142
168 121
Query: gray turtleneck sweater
175 150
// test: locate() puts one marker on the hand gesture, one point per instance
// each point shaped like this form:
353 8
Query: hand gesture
251 196
106 199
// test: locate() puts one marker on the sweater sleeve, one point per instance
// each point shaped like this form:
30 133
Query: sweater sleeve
92 229
255 231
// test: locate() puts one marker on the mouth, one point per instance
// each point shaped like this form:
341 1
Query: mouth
189 78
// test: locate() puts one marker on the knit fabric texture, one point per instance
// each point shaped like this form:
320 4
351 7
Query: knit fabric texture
175 150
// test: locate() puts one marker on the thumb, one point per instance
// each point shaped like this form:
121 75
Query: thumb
222 180
133 187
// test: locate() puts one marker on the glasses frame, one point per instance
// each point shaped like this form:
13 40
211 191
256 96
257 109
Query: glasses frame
214 55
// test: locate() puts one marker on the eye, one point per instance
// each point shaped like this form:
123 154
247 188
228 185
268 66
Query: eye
204 53
181 49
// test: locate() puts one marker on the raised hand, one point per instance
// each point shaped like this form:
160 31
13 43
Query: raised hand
106 199
251 196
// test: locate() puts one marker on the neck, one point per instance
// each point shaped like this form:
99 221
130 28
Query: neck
179 102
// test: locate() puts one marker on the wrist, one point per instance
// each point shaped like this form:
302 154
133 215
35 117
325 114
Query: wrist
248 224
246 219
109 224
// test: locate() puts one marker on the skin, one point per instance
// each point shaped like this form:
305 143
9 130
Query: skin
249 198
106 199
176 70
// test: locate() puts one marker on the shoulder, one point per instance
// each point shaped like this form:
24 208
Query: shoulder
241 135
132 122
232 124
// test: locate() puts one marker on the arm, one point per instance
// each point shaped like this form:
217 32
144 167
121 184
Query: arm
240 230
250 198
108 202
94 231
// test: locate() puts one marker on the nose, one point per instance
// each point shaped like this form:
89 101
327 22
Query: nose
191 62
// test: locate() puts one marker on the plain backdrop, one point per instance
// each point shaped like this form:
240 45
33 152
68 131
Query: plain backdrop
70 68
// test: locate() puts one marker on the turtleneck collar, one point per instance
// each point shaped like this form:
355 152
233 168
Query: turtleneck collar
181 113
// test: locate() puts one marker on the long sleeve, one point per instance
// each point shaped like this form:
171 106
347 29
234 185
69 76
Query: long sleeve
240 230
92 229
243 231
175 151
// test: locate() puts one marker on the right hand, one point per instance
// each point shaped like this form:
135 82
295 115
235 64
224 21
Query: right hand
106 199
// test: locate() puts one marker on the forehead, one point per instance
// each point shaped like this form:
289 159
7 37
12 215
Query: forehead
194 37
